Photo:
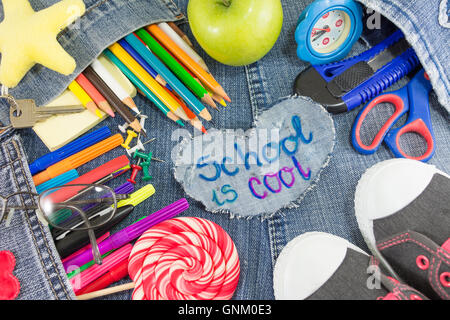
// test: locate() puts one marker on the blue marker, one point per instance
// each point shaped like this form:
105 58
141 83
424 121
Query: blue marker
74 147
60 180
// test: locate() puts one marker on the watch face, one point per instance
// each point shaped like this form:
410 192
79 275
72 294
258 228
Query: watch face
330 31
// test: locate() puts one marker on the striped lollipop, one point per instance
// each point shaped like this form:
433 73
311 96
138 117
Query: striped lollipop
184 259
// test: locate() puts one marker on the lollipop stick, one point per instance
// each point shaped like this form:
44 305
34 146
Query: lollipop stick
105 292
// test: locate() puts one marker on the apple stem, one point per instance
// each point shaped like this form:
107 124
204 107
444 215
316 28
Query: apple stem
226 3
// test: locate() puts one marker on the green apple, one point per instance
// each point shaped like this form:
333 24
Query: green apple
236 32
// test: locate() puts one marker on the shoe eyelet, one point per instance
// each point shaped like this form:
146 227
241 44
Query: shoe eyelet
414 297
445 279
422 262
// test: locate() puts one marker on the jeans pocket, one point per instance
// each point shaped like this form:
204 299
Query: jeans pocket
103 23
38 267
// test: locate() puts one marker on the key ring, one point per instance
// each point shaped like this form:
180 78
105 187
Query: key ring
4 94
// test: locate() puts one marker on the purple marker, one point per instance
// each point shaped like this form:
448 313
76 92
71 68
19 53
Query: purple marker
130 233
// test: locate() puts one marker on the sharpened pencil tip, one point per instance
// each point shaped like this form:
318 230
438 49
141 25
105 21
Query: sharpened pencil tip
205 115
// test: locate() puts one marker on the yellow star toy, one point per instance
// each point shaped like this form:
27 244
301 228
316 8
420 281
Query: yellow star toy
28 37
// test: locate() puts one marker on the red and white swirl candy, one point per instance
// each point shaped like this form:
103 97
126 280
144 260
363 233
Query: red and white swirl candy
184 259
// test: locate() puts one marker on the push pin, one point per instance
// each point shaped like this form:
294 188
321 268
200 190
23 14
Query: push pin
143 156
145 169
142 122
131 136
139 146
123 128
146 157
136 168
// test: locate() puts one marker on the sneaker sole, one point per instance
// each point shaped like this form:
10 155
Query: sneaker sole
363 191
307 262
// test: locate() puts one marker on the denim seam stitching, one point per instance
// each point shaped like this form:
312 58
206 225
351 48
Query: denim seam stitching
4 144
173 8
42 232
250 92
55 291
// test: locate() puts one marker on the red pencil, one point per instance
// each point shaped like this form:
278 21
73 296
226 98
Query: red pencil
95 95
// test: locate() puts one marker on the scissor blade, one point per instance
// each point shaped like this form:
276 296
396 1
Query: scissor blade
388 54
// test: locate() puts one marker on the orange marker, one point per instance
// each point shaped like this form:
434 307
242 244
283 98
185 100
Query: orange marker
78 159
206 78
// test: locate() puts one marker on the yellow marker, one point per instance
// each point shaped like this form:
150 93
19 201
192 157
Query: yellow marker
138 196
84 98
148 80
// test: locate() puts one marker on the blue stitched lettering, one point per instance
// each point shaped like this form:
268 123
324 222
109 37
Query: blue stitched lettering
225 170
264 152
297 125
205 164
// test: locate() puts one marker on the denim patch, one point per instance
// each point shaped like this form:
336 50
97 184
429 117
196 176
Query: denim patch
260 171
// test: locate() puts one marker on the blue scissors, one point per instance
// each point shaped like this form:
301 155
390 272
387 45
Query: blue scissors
413 98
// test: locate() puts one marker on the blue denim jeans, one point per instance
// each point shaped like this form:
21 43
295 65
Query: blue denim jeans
254 88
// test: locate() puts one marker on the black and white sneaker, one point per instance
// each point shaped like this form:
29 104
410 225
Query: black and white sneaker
403 211
321 266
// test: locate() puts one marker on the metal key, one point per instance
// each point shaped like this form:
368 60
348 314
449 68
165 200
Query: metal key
25 113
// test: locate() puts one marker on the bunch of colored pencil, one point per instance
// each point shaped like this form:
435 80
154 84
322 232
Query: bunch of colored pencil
160 61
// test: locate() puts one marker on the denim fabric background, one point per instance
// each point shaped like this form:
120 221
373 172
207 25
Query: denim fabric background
328 208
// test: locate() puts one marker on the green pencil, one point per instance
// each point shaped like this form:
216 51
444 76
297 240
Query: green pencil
176 68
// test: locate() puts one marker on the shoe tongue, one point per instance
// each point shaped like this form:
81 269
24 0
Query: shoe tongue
446 245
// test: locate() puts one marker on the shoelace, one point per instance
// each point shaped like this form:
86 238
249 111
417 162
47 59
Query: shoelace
397 290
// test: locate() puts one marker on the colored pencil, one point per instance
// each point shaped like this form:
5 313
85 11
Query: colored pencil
148 80
133 44
92 91
177 67
193 119
207 99
114 85
140 85
115 102
183 45
84 98
204 76
118 75
175 83
181 34
148 68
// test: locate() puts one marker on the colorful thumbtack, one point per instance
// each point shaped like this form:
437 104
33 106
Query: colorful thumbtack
146 171
142 121
136 168
131 136
123 128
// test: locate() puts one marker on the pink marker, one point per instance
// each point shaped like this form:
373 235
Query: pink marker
89 275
